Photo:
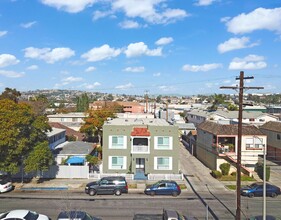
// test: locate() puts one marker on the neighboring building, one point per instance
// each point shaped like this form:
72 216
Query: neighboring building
56 137
134 115
130 107
273 131
217 144
140 146
74 149
70 133
72 120
229 117
255 108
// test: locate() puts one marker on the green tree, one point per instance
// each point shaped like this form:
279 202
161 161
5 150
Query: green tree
11 94
82 103
39 159
94 122
232 107
20 132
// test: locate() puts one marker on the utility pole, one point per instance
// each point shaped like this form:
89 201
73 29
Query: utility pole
240 117
146 100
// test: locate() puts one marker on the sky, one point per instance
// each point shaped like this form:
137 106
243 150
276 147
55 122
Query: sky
135 47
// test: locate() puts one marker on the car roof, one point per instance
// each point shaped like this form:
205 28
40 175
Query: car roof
72 215
114 177
19 213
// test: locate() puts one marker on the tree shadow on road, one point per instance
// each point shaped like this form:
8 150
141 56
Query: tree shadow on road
205 204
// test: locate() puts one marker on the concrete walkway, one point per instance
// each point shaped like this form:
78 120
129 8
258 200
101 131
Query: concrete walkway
197 174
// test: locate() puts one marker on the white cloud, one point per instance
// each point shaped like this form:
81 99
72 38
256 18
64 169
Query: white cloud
90 69
138 49
32 67
149 10
101 53
235 44
90 86
157 74
71 6
166 88
11 74
135 69
259 19
7 60
164 41
129 24
2 33
28 25
202 68
48 55
250 62
124 87
72 79
101 14
204 2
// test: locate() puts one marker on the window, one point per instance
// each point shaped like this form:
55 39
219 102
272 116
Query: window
251 119
74 119
278 136
163 163
117 162
254 143
117 142
163 143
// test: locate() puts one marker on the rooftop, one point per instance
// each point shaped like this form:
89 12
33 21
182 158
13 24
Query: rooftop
137 121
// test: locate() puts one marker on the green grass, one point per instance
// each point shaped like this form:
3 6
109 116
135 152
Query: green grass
232 187
233 178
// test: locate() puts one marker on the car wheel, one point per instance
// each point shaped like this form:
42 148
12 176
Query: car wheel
175 194
92 192
251 195
273 195
152 193
118 192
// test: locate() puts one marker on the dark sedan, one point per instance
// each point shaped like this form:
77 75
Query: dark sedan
256 189
163 187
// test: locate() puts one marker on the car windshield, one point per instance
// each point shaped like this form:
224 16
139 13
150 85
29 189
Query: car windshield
31 216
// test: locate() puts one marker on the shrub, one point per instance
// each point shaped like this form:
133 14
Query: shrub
233 174
259 170
216 174
225 167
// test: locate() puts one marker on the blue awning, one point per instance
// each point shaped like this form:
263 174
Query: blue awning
76 160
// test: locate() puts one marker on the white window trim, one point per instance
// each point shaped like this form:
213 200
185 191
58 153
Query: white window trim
170 163
156 143
124 167
110 142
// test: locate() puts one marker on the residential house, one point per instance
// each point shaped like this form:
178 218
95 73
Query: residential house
73 120
56 137
70 133
140 146
229 117
75 152
218 143
273 131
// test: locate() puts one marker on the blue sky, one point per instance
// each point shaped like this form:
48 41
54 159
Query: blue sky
184 47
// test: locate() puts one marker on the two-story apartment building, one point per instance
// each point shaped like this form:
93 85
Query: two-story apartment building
147 146
273 131
218 143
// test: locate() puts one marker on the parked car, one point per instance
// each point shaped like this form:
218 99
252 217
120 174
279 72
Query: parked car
108 185
163 187
5 184
166 215
256 189
77 215
23 214
260 217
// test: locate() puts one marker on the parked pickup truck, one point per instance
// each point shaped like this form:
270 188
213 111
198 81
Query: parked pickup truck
166 215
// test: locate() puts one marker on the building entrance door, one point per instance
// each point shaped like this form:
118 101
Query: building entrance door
140 165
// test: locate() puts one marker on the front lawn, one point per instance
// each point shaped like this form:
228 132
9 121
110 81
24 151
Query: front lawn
233 178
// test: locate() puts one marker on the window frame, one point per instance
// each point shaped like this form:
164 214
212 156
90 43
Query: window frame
111 166
111 146
169 167
156 143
